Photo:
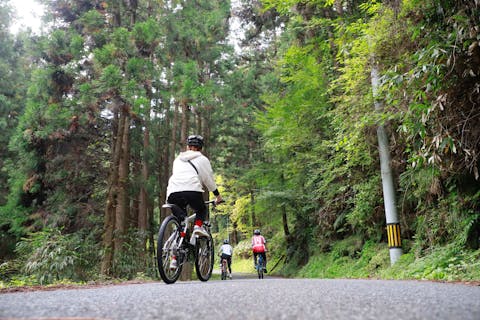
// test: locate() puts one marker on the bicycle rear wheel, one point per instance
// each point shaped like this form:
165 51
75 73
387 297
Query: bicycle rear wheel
168 249
204 257
260 267
224 269
260 272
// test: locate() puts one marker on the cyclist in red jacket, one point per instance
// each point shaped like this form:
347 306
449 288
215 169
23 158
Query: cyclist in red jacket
259 247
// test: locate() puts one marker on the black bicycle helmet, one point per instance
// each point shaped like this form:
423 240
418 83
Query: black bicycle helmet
195 140
257 232
225 241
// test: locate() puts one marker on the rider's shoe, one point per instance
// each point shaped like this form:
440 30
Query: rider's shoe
200 232
230 275
173 263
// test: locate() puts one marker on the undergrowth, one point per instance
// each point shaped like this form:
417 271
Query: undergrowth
446 263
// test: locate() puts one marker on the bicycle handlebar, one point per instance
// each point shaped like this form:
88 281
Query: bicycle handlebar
213 202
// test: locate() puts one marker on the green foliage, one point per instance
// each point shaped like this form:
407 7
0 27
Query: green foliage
451 220
433 62
240 214
366 199
129 263
122 40
14 71
447 263
111 78
348 259
285 6
146 35
8 270
105 54
139 69
346 248
92 20
13 217
243 249
51 256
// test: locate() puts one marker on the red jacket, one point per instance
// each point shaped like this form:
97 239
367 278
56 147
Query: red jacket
258 244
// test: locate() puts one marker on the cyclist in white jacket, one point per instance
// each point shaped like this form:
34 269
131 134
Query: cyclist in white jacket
191 172
226 252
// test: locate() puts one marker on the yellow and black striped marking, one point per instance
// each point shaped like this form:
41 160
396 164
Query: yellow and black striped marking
393 233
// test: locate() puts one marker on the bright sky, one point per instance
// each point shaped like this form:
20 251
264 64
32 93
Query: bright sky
29 14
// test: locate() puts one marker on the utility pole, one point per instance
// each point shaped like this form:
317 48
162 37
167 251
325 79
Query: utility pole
393 224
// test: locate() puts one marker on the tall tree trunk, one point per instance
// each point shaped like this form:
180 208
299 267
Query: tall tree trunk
234 234
136 172
339 7
144 197
164 169
203 128
252 209
123 203
109 218
165 152
187 267
286 231
185 122
132 6
198 121
174 140
117 17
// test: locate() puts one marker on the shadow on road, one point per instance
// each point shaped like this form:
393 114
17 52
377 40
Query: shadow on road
236 275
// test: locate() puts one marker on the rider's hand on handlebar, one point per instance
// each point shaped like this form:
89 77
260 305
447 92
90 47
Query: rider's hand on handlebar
218 199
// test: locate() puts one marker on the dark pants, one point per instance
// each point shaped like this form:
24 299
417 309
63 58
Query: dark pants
229 261
255 254
192 198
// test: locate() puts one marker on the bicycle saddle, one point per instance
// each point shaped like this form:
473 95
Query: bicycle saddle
176 210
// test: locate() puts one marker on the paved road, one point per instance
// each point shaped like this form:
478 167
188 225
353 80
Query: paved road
246 298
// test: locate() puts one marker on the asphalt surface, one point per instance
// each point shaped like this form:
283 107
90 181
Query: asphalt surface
249 298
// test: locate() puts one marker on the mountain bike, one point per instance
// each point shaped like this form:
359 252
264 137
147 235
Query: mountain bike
260 266
176 245
223 269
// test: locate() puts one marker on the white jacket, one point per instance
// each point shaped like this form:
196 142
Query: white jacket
226 249
185 178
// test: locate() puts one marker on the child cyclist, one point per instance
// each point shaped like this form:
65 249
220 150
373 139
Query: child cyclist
226 252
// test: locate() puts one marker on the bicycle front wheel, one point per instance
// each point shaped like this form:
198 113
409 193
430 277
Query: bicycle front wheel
168 250
224 270
204 257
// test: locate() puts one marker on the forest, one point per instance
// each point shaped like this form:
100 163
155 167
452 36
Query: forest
95 106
